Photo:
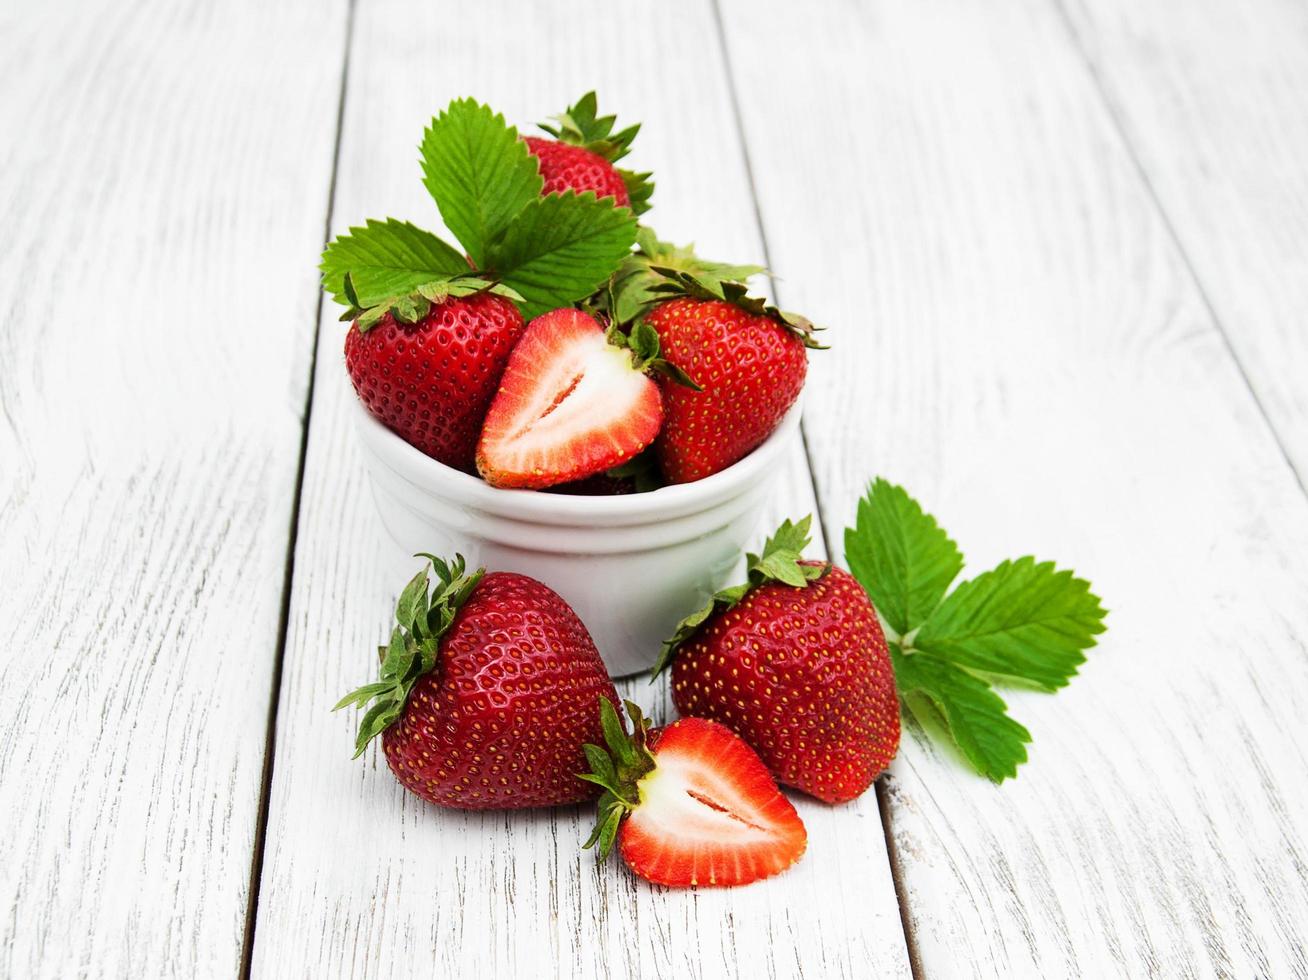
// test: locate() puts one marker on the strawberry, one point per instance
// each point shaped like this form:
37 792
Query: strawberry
748 358
428 370
794 662
690 804
582 154
573 403
564 166
488 692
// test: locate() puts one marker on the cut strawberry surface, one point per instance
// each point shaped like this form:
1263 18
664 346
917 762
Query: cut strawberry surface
570 405
691 804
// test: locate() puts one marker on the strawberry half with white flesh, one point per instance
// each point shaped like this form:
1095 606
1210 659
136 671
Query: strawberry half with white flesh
690 804
573 402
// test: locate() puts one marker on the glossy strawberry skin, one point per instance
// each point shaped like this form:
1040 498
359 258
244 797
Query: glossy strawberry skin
568 167
751 369
748 830
803 676
431 382
501 720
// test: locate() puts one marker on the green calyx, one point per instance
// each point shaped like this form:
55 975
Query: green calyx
659 271
422 619
580 126
779 562
617 770
643 343
413 306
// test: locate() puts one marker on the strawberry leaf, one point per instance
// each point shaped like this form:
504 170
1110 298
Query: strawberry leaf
560 248
978 719
480 173
1022 619
902 557
385 259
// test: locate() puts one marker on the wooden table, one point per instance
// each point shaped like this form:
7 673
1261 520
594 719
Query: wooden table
1062 248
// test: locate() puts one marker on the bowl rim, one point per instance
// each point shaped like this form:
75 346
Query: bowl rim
436 479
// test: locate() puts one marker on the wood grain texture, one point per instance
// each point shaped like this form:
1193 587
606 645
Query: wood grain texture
361 879
163 185
1213 98
1018 340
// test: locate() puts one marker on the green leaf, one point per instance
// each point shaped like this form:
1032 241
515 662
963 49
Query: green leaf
1022 619
385 259
561 248
901 557
978 719
479 172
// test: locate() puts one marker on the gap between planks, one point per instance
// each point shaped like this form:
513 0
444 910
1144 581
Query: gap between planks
283 620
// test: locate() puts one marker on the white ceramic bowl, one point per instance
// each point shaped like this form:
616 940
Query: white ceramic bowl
631 566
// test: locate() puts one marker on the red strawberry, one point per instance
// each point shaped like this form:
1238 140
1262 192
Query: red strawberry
690 804
488 692
571 405
751 368
565 166
582 154
430 381
796 664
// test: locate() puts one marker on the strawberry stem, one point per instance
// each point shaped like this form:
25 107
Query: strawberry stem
779 562
422 620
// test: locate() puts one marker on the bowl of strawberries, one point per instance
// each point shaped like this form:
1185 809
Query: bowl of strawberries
564 395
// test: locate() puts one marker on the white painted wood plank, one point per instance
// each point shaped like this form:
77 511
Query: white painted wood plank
1017 339
360 878
1213 97
163 188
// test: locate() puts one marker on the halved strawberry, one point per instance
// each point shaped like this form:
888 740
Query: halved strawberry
572 403
690 804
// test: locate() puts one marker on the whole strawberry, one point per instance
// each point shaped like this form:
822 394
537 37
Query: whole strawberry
582 154
748 359
489 689
428 371
751 370
794 662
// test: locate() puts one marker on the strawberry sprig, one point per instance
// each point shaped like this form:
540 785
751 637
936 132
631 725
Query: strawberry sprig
580 126
1022 620
422 619
548 251
778 562
617 770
